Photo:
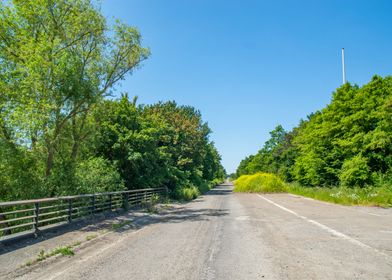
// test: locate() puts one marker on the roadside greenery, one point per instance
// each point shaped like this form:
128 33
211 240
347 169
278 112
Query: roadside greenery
370 196
259 183
345 148
270 183
61 130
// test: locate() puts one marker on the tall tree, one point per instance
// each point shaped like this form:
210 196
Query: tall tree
58 59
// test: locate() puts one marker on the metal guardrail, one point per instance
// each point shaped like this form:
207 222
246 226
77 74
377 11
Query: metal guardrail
30 216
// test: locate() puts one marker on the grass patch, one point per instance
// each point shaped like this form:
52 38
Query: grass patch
42 255
187 193
270 183
259 183
190 191
76 244
166 200
64 251
369 196
121 224
91 236
151 203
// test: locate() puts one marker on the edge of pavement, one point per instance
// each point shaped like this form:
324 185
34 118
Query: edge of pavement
19 258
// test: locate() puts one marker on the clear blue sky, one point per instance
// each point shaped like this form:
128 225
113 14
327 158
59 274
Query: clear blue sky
250 65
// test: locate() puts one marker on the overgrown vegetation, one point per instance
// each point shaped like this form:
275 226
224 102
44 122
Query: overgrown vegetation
151 204
119 225
270 183
63 251
259 182
91 236
371 196
187 193
60 133
345 148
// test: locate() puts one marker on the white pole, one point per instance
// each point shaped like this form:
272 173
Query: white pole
343 67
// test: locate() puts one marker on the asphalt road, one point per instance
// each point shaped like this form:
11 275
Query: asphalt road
225 236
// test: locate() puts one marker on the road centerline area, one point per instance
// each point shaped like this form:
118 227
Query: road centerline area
328 229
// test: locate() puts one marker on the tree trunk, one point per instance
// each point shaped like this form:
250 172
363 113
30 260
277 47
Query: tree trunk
49 160
75 138
75 149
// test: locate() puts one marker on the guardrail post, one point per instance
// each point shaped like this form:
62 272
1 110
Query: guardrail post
69 210
125 201
36 219
110 202
93 205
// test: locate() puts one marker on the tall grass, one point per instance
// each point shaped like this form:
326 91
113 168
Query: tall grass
189 192
370 196
259 182
186 193
379 195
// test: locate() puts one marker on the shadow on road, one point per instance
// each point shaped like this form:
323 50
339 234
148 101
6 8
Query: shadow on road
89 224
182 215
219 192
192 211
176 213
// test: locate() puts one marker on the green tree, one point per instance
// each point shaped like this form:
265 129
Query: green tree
347 143
59 59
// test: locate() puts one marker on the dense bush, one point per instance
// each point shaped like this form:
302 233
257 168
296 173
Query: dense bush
259 182
186 193
348 143
20 174
355 172
157 145
97 175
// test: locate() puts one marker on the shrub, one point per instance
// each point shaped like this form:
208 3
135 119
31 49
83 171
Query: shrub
97 175
355 172
259 182
381 180
186 193
204 187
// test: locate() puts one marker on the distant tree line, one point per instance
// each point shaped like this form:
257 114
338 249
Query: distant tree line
61 134
348 143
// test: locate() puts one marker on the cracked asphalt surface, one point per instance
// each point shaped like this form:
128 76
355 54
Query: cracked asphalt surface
226 235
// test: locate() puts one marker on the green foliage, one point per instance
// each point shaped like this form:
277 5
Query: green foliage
370 196
355 171
59 134
155 145
64 251
130 139
19 174
348 143
259 182
91 236
150 204
97 175
186 193
119 225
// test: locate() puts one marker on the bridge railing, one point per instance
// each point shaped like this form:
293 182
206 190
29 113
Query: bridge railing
30 216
